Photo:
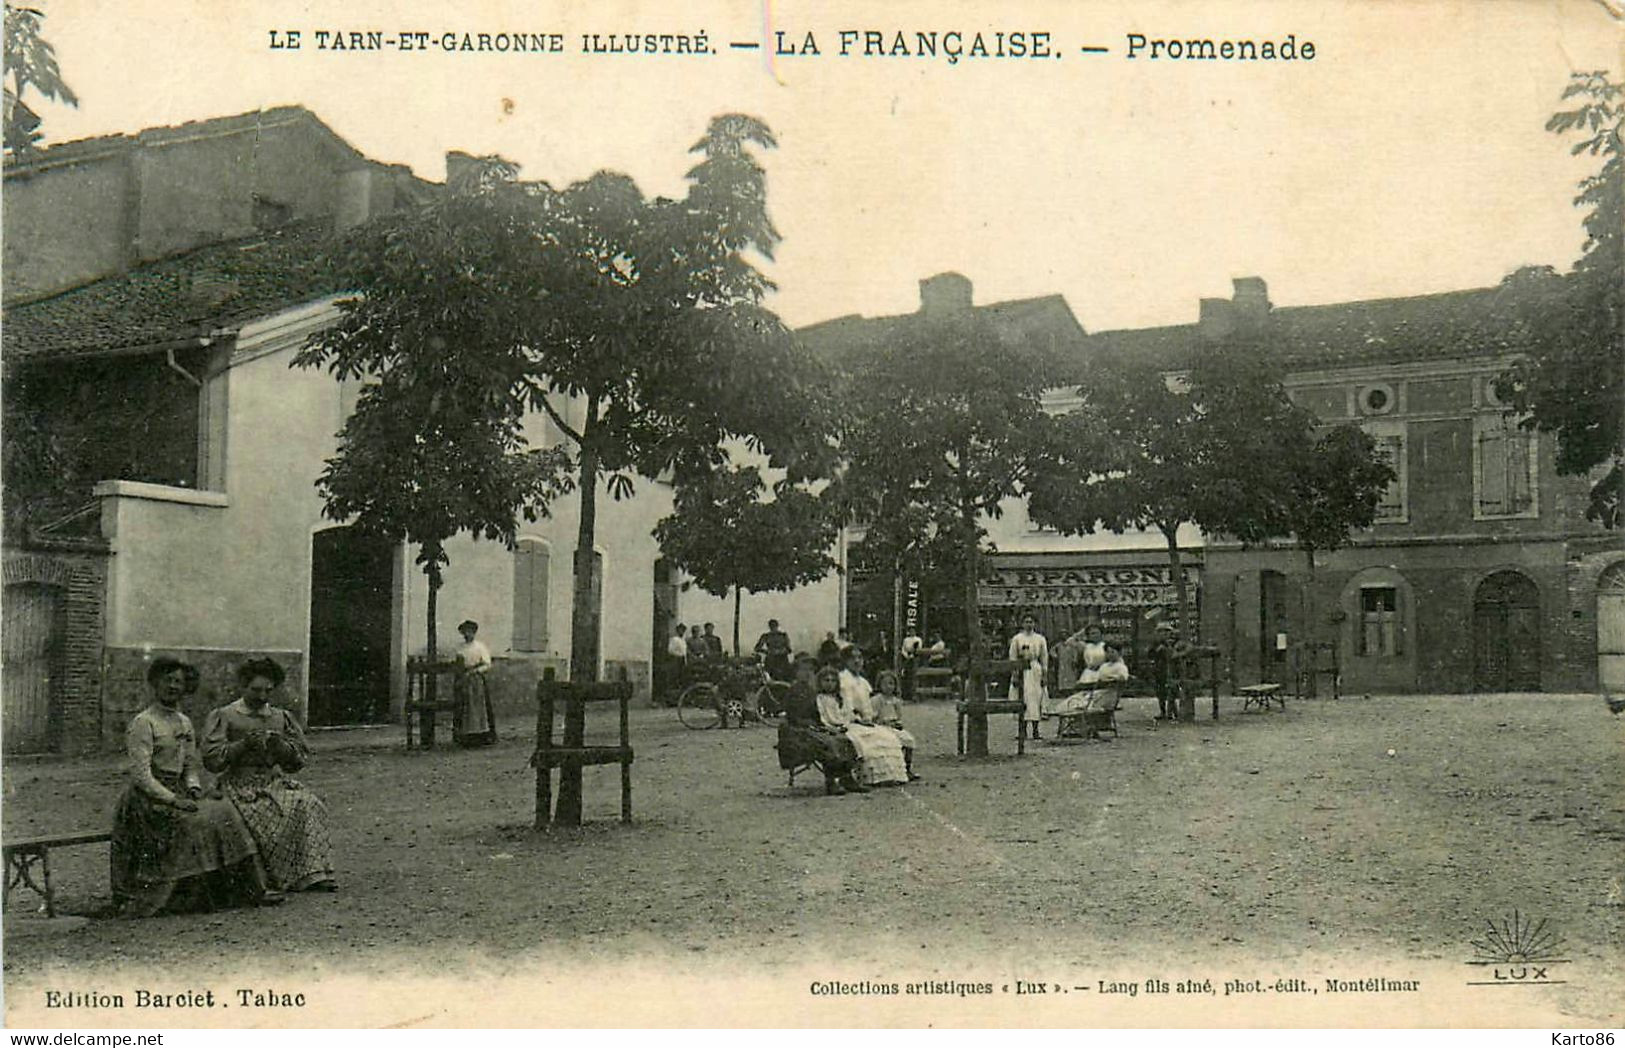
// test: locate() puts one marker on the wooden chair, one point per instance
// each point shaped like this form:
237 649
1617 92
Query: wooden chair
572 753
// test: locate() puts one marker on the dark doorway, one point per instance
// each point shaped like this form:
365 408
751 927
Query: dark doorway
667 669
1273 640
33 648
1506 633
351 610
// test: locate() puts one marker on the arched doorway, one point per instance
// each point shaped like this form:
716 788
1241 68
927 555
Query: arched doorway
351 608
1611 629
1506 633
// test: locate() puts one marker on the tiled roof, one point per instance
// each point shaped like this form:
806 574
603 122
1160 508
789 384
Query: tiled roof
214 287
1047 318
1476 322
85 148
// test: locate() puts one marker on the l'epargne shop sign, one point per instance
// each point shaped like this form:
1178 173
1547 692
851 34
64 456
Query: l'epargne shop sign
1130 587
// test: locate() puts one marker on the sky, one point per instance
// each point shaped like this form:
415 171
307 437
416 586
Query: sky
1407 157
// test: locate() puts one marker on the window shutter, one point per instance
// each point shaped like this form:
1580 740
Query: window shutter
1493 469
531 569
540 576
1518 455
521 597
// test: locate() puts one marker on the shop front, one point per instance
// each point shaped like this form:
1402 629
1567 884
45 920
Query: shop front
1126 592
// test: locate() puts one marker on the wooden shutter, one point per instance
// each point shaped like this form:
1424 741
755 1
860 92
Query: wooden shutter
531 573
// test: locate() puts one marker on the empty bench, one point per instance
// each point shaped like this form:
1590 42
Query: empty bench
23 856
1260 695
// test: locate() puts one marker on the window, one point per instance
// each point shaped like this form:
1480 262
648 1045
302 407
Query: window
1504 469
1390 450
1377 399
1379 621
531 573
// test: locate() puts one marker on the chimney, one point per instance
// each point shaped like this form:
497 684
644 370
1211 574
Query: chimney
355 199
460 167
1217 320
1252 299
945 293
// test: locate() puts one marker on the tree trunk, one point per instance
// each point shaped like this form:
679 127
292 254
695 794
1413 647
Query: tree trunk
1185 694
431 681
737 592
1311 632
976 686
584 613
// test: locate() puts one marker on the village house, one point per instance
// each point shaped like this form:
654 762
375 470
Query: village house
162 455
1480 572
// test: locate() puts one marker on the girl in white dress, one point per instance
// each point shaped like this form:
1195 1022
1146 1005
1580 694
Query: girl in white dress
1027 685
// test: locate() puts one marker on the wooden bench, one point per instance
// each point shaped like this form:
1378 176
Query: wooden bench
936 682
23 855
572 753
1260 695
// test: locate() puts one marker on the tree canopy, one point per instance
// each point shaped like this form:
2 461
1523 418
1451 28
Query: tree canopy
30 62
938 430
1572 382
636 325
1212 445
731 538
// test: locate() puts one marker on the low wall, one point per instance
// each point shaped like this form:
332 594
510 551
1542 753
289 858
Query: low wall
514 677
125 691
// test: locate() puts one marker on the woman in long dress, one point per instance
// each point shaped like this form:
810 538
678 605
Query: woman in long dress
880 751
476 722
253 745
170 843
1027 685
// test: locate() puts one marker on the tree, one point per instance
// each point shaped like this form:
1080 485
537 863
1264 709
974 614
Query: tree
1147 448
30 62
1572 382
730 539
1336 484
940 424
434 447
635 325
648 315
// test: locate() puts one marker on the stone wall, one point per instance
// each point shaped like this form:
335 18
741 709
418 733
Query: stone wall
126 693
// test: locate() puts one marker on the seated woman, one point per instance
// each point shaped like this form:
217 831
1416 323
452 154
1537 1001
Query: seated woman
843 702
251 745
887 706
1097 712
171 845
803 739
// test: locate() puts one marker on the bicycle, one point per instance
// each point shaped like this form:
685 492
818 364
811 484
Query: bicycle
746 693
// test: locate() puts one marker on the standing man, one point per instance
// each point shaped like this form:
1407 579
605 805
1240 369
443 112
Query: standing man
829 651
699 652
774 649
713 643
676 662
